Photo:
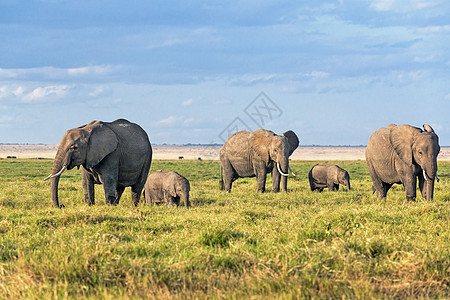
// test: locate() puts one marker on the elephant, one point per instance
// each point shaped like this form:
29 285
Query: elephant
401 154
116 154
328 176
168 187
250 154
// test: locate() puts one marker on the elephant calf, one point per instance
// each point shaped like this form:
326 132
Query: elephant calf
168 187
328 176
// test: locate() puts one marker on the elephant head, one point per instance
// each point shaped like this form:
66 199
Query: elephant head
418 147
344 179
268 146
86 145
182 189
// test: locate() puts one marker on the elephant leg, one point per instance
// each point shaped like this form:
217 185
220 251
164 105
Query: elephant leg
136 194
119 192
422 185
170 200
378 186
146 194
410 188
384 189
88 187
151 197
330 185
177 200
261 179
228 176
110 187
336 187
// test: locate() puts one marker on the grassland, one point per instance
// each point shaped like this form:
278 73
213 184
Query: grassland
240 245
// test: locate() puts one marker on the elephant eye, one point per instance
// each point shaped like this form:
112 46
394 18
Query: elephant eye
74 147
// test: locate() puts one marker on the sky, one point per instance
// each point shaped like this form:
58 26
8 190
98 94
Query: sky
196 71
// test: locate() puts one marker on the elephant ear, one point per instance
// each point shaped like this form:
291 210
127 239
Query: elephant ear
259 143
102 141
292 141
170 184
402 139
428 128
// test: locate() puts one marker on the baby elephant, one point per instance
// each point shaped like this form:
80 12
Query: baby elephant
330 176
168 187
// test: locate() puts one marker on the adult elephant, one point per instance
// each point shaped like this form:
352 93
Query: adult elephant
116 154
401 154
250 154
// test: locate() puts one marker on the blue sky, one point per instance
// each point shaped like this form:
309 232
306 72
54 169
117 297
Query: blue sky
332 71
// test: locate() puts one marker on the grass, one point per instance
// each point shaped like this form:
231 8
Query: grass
298 244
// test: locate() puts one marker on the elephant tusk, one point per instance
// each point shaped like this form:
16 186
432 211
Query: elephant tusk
291 171
279 170
428 178
425 175
57 174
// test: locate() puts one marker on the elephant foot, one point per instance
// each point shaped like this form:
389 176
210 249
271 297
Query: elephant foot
88 201
409 198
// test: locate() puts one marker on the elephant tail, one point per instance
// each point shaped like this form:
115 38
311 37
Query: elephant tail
221 185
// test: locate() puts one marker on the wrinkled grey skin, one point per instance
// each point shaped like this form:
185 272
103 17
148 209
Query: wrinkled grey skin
250 154
402 154
168 187
116 154
328 176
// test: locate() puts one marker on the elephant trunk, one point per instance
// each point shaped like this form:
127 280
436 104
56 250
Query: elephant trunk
185 196
430 175
185 188
284 166
347 183
430 189
59 165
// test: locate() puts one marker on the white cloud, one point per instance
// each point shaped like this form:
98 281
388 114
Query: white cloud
52 73
164 44
409 77
169 121
18 91
103 69
425 59
7 91
434 29
99 91
3 91
188 122
187 102
43 92
402 5
318 75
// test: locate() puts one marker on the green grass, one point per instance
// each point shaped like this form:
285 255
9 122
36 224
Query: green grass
239 245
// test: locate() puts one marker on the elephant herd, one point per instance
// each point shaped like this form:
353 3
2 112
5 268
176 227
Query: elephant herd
118 154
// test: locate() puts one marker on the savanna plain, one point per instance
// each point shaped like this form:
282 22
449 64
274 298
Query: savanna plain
299 244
